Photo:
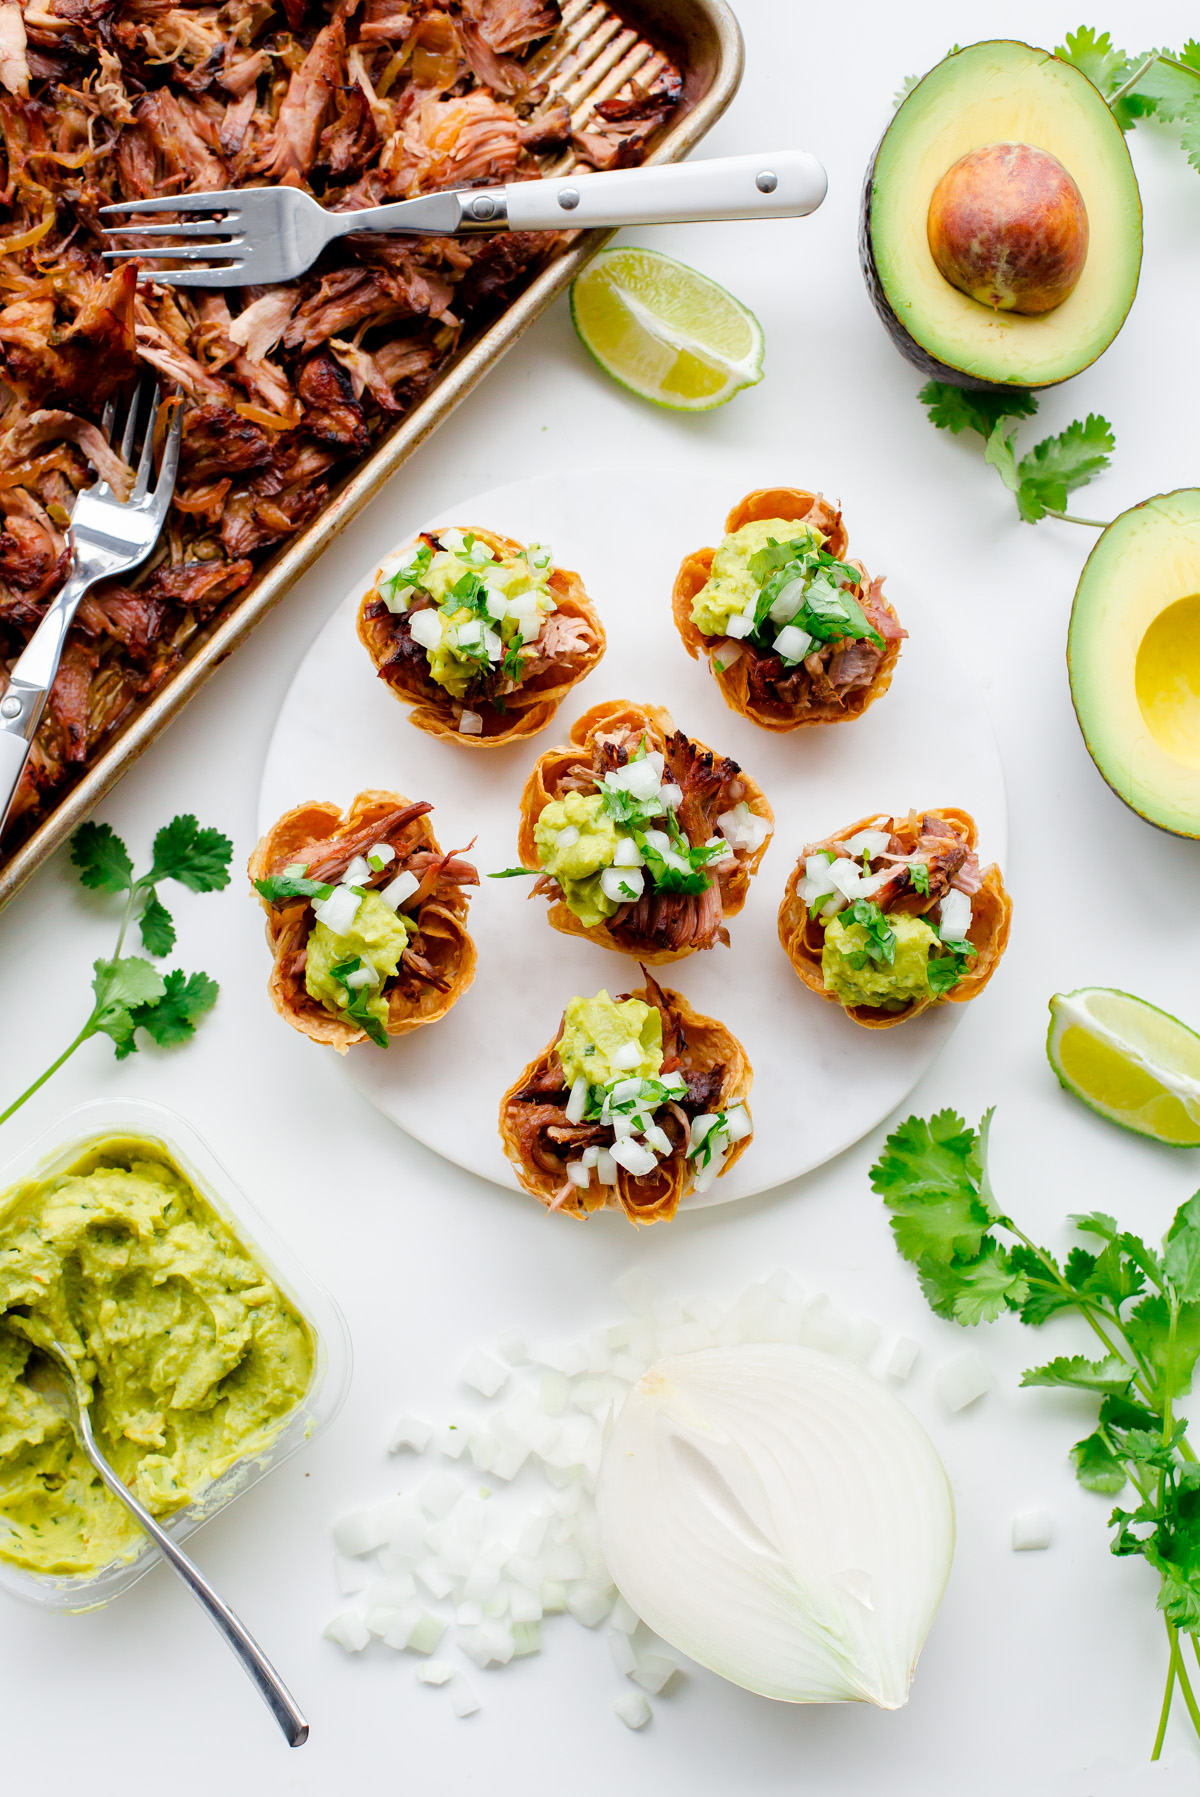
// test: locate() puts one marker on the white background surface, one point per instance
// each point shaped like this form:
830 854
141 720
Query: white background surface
341 731
1040 1665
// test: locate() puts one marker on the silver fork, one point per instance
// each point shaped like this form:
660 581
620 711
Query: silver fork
56 1379
268 234
108 536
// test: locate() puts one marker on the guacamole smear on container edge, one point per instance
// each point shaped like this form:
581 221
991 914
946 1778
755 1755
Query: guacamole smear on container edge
576 841
377 939
194 1357
731 587
598 1035
888 987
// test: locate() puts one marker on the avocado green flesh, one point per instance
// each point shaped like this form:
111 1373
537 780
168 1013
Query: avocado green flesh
195 1359
885 988
1133 652
596 1029
1000 92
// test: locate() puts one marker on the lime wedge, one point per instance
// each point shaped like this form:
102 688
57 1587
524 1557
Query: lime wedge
1134 1064
664 331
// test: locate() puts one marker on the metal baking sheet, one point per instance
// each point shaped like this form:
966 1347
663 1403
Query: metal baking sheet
703 40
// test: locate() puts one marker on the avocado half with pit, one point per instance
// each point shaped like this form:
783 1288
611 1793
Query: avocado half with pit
1133 652
1052 145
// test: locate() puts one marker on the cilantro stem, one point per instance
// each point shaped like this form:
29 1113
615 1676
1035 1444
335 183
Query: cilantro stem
1070 518
1164 1713
1184 1682
1131 83
53 1068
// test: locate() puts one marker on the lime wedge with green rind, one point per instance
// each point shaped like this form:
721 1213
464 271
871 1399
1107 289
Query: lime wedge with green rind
1132 1063
667 333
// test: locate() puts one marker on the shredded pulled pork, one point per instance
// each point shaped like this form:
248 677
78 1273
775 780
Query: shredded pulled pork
948 860
358 101
827 678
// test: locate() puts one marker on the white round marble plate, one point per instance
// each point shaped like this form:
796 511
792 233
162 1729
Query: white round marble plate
820 1081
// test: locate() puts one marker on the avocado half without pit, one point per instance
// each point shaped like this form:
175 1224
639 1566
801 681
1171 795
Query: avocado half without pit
1001 225
1133 652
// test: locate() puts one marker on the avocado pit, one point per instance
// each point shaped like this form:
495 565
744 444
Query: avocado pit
1008 227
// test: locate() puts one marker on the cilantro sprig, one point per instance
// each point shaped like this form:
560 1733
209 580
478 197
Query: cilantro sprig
825 610
357 998
1142 1306
1040 480
1163 85
129 993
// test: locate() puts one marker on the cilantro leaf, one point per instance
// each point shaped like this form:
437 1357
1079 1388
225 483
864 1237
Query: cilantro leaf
198 859
1189 136
956 409
879 938
1181 1251
157 927
1096 1466
1094 57
1148 1330
277 889
1111 1376
918 877
1059 464
1045 1297
172 1017
927 1177
358 999
102 858
121 986
1095 1222
945 971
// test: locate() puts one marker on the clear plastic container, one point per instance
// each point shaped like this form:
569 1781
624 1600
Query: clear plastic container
56 1150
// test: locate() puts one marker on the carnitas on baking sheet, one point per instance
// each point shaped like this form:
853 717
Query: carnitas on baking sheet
285 387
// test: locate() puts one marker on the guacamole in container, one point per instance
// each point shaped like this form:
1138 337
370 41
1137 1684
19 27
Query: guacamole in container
205 1364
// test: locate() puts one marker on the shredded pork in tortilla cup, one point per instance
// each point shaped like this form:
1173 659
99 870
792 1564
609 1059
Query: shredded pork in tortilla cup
315 844
713 1077
922 866
836 679
509 666
717 832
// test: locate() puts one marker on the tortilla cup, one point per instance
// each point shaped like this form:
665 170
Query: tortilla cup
559 770
991 917
525 711
441 920
798 507
703 1045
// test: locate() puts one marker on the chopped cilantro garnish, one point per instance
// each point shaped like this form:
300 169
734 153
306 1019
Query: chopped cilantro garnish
357 998
513 873
880 938
278 888
946 970
824 609
918 874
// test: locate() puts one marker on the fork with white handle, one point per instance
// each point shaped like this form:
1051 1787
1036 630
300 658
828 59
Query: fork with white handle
253 236
108 536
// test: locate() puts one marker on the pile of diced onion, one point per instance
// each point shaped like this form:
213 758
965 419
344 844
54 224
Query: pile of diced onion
831 882
638 1141
476 636
642 780
468 1564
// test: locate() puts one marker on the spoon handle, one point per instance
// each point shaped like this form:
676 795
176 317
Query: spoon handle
267 1681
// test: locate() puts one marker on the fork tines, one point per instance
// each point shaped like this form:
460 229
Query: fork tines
222 234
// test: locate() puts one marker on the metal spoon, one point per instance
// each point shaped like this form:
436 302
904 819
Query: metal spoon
54 1376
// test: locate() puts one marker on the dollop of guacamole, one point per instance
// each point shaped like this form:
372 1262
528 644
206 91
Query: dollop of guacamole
730 586
595 1029
578 865
194 1358
378 936
518 595
887 988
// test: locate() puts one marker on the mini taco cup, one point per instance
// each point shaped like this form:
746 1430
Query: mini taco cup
803 937
439 963
719 1077
740 669
660 928
572 642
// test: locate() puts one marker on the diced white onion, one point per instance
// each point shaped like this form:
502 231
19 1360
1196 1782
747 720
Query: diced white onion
793 644
846 877
737 1123
470 723
741 623
657 1138
1031 1529
469 634
362 976
493 642
743 828
659 840
672 796
379 854
903 1357
578 1174
357 870
411 1432
964 1379
954 915
435 1672
606 1168
627 1057
566 838
634 1157
638 778
398 890
627 853
869 843
632 1709
339 910
704 1176
577 1102
426 627
349 1631
870 884
787 601
701 1128
622 884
